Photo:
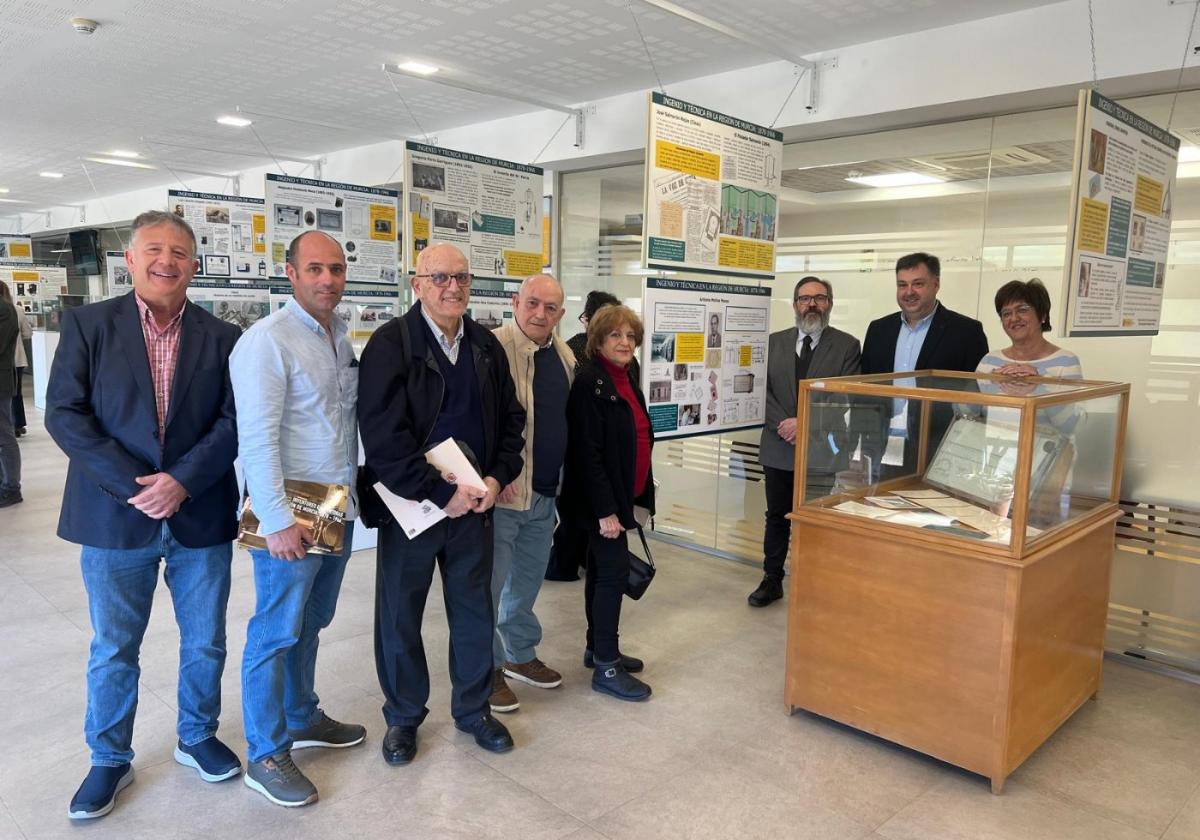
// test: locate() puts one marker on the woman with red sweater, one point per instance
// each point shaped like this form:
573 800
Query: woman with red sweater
607 474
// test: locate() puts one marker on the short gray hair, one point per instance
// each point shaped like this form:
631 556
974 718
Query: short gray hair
153 218
828 286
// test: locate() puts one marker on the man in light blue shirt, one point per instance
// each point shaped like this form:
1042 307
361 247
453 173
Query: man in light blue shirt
295 382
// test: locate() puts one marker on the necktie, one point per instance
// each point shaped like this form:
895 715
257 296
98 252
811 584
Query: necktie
805 357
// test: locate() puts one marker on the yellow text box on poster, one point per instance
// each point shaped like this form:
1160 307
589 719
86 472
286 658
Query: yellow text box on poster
689 347
545 240
523 263
744 352
1093 225
258 225
743 253
420 233
383 222
702 164
19 249
1149 196
25 277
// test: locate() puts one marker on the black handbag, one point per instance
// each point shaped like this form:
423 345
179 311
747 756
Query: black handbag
641 572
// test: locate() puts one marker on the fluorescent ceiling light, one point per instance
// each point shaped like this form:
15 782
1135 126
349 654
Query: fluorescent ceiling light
123 154
419 68
119 162
50 174
3 189
236 122
13 200
61 251
1189 153
895 179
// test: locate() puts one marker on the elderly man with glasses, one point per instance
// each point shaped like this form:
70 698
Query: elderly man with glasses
808 350
427 377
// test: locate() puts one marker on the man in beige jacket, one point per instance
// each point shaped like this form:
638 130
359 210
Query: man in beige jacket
542 368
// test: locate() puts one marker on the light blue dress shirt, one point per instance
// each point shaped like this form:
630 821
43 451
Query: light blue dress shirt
296 395
450 348
908 349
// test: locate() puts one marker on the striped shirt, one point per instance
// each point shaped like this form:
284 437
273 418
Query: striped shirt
1061 364
162 349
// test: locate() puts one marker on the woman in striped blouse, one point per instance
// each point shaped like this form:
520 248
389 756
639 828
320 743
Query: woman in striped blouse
1024 310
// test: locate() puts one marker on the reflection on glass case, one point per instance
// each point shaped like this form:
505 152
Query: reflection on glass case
971 456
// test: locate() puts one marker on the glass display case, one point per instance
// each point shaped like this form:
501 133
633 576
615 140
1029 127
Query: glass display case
1001 461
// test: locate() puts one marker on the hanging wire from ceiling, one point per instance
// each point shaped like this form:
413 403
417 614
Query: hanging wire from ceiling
164 164
646 47
799 76
1092 35
104 206
404 102
551 140
267 149
1182 64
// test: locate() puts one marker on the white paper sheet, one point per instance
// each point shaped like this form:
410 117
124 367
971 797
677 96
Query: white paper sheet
452 463
414 517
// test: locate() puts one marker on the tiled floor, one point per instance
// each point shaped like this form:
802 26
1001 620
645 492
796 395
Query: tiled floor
713 754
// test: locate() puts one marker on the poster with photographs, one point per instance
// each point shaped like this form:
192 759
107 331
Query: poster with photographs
231 233
16 249
1120 226
362 219
362 310
704 360
491 209
712 191
238 305
34 287
117 280
490 308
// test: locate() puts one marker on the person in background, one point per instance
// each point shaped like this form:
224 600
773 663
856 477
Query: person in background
608 473
808 350
570 544
140 401
295 382
1024 310
20 362
542 367
10 452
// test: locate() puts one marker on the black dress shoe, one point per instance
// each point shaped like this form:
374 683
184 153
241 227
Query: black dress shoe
400 744
630 663
771 589
489 733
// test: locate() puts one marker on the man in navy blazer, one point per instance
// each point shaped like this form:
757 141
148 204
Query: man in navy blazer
139 399
923 335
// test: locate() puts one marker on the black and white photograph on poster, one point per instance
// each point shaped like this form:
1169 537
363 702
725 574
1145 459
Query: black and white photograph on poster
117 278
216 215
490 308
489 208
216 265
231 227
706 369
239 306
362 219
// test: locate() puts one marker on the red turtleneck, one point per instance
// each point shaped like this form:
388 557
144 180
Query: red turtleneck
641 423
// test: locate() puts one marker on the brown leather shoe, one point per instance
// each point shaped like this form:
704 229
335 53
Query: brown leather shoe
535 672
503 699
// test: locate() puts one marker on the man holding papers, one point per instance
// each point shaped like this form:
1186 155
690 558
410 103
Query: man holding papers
295 382
431 376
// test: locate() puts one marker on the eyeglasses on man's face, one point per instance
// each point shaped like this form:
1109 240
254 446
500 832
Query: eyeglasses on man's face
441 279
805 300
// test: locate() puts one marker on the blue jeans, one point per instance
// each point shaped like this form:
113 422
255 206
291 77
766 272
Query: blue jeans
294 601
522 551
120 585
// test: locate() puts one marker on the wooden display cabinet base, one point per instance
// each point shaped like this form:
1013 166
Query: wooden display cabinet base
973 659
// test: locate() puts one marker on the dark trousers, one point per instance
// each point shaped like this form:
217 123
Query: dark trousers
462 550
18 402
607 574
777 530
570 548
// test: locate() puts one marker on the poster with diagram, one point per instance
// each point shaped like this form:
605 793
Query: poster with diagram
362 219
490 308
363 311
16 249
117 279
34 287
704 359
231 233
241 306
712 191
490 208
1120 230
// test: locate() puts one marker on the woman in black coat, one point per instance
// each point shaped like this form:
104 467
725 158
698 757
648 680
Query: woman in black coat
608 473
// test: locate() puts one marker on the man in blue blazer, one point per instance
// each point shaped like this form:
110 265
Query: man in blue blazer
140 401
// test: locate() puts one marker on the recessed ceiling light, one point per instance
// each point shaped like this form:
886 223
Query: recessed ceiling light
896 179
418 68
119 162
3 189
50 174
1189 153
123 154
236 122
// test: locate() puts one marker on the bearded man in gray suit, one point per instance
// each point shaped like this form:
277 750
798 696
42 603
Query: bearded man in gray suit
812 349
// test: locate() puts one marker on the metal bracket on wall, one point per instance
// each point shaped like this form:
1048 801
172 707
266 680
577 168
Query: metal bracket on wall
579 126
237 185
318 166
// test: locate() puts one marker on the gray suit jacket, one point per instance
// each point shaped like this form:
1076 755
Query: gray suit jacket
836 354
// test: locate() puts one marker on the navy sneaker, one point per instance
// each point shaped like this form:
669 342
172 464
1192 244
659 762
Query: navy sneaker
214 761
98 793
